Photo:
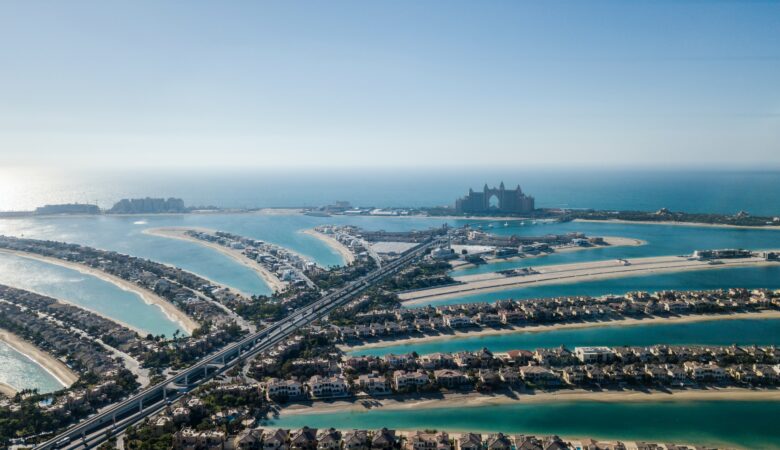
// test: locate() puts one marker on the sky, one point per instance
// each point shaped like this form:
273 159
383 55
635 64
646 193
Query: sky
206 84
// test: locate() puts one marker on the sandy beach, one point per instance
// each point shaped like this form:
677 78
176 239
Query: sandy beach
172 312
342 249
54 366
681 224
7 390
180 233
472 400
612 241
577 272
113 319
481 332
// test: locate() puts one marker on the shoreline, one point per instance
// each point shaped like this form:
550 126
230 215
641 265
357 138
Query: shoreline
288 211
150 298
574 273
7 390
49 363
680 224
335 245
271 280
135 329
612 241
761 315
476 400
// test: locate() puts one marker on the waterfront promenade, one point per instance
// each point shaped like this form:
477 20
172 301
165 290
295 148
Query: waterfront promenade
572 273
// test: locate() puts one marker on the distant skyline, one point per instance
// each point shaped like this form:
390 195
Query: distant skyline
267 84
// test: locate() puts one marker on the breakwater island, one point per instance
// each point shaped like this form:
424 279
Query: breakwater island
585 271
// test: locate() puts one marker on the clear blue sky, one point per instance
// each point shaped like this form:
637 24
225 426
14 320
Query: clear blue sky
424 83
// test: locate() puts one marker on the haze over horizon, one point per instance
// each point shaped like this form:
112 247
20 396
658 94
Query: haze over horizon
144 84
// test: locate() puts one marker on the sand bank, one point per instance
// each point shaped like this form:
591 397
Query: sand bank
471 400
180 233
334 244
577 272
49 363
171 311
482 332
681 224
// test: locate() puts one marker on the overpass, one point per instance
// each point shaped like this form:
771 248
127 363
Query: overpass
151 400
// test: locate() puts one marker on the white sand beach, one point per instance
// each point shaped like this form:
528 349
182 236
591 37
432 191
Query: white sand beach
54 366
180 233
577 272
469 400
337 246
7 390
187 323
612 241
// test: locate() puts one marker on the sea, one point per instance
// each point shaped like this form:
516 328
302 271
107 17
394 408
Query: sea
695 191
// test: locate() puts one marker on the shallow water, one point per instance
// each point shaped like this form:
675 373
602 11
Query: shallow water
749 424
20 372
714 332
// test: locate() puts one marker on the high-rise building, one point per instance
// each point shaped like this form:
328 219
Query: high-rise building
500 200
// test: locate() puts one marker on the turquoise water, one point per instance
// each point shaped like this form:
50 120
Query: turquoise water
733 423
745 277
84 290
717 332
20 372
125 234
661 240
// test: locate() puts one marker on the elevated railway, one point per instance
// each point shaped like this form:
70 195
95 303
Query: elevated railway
98 428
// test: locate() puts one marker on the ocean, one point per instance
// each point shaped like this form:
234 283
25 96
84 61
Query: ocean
681 190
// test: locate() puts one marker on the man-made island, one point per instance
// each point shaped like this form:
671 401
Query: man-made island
596 270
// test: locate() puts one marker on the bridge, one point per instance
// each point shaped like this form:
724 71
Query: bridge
99 427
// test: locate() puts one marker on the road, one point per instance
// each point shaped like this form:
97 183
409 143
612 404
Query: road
147 402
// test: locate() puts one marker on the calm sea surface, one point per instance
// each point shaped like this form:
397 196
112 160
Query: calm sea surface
21 372
716 423
648 190
718 332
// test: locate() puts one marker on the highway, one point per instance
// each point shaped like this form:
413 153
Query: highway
149 401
